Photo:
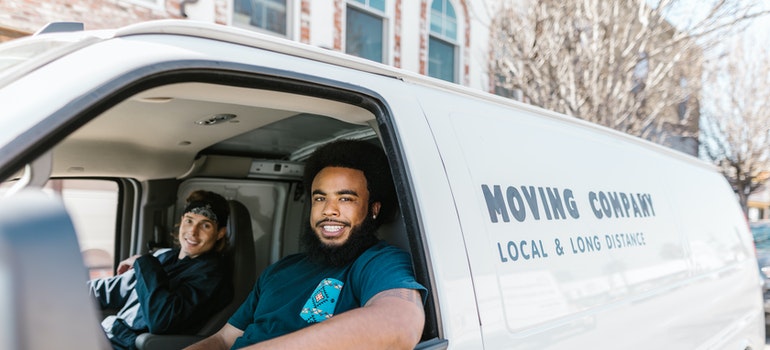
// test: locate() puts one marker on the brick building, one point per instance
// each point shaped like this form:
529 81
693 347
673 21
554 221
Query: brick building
24 17
442 38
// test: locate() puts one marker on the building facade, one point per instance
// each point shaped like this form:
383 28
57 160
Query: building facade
446 39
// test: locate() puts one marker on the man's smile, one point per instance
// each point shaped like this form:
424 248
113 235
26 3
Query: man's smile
331 228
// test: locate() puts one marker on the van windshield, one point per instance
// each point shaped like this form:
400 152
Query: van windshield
13 55
761 233
20 56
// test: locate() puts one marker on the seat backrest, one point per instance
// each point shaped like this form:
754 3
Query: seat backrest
241 259
39 250
394 232
242 262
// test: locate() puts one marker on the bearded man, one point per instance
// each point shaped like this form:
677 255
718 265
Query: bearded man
348 290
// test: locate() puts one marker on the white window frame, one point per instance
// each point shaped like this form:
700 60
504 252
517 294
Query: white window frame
440 36
290 20
386 26
153 4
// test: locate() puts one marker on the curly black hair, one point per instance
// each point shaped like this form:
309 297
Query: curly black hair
359 155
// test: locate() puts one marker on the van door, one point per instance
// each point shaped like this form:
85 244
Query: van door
573 237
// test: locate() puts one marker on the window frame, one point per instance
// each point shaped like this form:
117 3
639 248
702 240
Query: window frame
288 25
385 25
443 38
153 4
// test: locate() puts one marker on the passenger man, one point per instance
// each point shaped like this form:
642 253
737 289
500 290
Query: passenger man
171 290
348 290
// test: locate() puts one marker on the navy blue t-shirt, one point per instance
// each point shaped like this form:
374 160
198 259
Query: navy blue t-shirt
275 305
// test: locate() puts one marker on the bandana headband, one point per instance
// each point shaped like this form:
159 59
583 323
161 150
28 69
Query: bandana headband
202 208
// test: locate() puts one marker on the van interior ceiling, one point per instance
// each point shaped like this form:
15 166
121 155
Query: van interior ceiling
162 131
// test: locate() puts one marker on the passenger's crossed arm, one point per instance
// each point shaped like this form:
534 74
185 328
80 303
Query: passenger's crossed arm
127 264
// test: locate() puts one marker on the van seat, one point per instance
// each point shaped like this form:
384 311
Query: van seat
35 315
394 232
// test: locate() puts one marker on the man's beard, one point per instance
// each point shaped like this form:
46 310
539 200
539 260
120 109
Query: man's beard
361 238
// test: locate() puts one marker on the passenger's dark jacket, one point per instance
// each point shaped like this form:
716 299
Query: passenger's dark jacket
162 294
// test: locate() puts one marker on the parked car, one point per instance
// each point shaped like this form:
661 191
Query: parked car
531 229
761 232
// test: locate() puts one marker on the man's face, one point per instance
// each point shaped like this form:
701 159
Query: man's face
197 235
340 203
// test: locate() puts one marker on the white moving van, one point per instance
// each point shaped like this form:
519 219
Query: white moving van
532 230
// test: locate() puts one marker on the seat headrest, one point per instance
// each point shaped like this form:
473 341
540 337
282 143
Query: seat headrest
238 221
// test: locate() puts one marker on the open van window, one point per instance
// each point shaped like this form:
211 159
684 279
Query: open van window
93 205
244 135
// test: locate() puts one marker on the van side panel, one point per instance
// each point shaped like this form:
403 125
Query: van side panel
580 237
438 219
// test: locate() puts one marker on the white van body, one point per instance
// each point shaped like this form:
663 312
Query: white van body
578 237
531 230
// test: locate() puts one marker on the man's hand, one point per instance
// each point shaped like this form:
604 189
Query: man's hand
221 340
127 264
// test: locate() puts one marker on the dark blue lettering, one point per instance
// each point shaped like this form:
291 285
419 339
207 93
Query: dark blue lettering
495 203
648 200
572 209
515 255
545 205
606 209
545 254
516 204
556 204
637 212
500 249
531 197
592 200
523 243
626 204
615 204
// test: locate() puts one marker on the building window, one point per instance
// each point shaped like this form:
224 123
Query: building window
442 44
159 4
263 15
364 29
375 4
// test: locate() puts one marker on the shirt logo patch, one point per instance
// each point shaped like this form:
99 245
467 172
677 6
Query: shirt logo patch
320 306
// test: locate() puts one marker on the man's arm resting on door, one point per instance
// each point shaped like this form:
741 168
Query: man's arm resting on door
392 319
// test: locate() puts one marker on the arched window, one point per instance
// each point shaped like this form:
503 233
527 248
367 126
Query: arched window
269 15
365 29
442 44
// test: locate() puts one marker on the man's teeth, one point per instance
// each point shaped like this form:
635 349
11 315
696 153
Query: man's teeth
333 228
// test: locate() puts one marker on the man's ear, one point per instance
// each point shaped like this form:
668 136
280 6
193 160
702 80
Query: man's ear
376 209
222 232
